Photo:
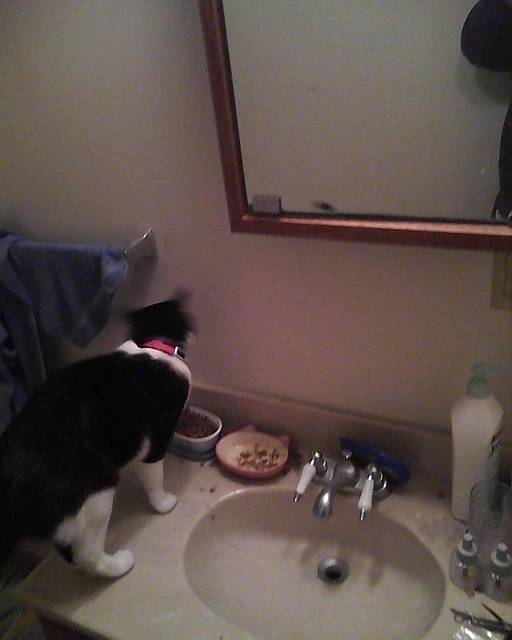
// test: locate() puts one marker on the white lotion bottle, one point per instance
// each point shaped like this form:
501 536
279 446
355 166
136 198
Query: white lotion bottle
476 419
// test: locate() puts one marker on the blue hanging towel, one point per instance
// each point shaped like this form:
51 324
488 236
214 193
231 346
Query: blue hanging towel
61 289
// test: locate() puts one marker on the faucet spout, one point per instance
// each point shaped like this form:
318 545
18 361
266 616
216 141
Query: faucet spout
323 504
345 474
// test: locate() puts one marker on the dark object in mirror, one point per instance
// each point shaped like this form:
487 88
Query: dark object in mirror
503 204
486 37
484 235
486 41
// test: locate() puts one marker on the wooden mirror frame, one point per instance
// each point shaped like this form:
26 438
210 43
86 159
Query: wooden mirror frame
372 228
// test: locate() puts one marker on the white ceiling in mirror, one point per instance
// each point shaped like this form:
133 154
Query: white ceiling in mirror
366 106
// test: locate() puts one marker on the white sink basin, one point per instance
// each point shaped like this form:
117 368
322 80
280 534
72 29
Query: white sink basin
252 559
238 560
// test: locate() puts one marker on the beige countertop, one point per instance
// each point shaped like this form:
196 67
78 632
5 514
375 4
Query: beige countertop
155 599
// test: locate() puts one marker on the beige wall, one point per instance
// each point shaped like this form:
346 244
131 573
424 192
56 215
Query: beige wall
107 127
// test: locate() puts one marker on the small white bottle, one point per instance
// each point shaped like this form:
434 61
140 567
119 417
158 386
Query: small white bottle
476 431
464 570
498 575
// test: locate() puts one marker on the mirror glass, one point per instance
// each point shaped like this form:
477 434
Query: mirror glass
334 114
365 107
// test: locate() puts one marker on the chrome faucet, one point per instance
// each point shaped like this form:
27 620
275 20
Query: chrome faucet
344 476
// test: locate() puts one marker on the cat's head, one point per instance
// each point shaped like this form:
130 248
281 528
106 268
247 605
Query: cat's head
169 319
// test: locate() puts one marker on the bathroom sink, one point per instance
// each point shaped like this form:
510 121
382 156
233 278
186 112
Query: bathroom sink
254 559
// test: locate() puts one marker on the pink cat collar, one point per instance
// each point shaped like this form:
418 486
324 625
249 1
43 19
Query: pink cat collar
167 347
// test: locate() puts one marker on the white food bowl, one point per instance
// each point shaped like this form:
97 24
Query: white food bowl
200 444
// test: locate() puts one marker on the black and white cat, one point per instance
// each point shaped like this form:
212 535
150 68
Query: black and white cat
60 457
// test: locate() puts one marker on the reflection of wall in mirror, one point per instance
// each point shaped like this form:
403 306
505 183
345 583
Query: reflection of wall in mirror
370 109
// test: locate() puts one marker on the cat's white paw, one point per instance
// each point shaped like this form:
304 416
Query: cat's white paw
115 565
163 502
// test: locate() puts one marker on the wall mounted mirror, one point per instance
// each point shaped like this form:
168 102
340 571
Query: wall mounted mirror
356 121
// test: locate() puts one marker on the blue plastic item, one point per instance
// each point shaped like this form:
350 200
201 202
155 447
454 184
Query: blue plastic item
395 470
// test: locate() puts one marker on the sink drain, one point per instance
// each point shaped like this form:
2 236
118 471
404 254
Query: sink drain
333 570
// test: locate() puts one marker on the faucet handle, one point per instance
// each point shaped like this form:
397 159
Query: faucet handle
317 465
373 476
320 463
366 499
306 475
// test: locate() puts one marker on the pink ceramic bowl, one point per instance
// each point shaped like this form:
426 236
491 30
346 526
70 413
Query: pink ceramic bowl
251 453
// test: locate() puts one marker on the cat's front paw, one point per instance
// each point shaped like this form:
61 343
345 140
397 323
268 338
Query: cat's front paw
163 502
115 565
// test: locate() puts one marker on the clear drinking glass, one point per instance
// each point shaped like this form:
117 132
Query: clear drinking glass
490 517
